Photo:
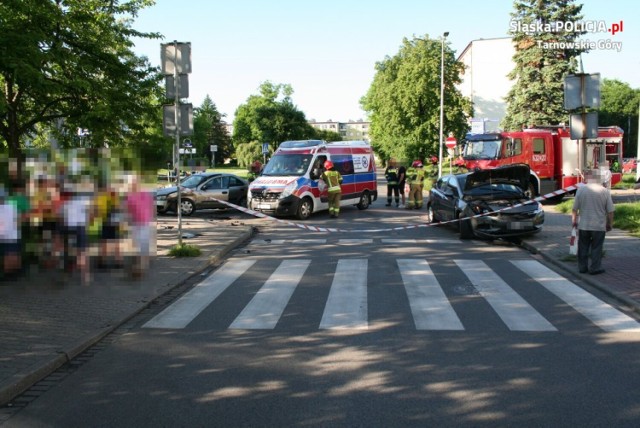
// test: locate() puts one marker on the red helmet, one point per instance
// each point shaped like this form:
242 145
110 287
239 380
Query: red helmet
417 164
328 164
434 160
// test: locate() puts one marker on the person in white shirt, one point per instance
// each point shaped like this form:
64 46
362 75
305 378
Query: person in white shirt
592 214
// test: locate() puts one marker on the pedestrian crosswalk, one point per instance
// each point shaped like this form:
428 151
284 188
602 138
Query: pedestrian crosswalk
353 241
430 304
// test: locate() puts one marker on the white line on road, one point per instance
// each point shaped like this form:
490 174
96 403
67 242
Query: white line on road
429 305
266 307
187 307
514 311
346 305
600 313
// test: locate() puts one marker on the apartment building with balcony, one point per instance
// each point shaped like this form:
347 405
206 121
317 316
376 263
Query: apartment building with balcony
351 130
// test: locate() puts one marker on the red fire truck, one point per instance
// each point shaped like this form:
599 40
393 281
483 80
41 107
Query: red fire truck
549 151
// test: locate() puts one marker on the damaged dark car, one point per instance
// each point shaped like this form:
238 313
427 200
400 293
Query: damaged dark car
489 203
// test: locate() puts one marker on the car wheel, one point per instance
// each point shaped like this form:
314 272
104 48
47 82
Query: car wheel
466 231
187 207
365 201
305 209
431 217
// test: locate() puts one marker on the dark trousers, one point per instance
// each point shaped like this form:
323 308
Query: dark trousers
590 241
392 189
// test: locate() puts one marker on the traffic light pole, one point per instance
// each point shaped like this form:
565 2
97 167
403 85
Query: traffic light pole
176 101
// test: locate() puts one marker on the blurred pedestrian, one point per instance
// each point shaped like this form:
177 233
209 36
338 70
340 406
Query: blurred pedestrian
333 179
109 212
77 216
391 174
592 214
140 212
9 236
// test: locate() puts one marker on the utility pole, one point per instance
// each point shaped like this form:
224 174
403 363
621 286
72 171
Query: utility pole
178 118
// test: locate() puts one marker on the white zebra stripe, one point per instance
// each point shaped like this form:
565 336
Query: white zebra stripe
600 313
346 306
187 307
266 307
430 307
514 311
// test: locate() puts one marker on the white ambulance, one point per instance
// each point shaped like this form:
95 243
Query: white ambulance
290 184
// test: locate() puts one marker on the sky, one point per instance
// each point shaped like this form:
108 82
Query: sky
327 50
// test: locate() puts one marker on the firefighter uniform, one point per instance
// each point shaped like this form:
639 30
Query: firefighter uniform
333 180
391 174
415 178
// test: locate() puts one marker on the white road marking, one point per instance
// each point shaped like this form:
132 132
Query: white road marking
266 307
186 308
429 305
355 241
514 311
346 306
600 313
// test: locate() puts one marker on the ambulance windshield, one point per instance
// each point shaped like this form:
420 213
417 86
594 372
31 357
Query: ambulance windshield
287 165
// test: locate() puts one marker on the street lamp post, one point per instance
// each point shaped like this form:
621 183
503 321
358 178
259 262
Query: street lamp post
444 37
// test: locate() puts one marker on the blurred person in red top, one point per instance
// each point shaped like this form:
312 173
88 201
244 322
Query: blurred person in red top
140 211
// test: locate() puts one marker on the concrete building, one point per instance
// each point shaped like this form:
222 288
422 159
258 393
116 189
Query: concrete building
485 81
351 130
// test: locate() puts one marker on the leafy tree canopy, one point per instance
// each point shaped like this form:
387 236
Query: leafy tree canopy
543 59
270 117
72 60
209 129
403 101
619 106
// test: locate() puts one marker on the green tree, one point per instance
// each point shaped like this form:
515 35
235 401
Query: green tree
208 129
544 55
270 117
247 153
403 102
72 61
619 106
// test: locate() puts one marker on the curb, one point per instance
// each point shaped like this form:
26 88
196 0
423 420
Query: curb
27 378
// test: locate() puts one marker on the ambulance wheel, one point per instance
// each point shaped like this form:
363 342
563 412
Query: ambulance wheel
365 201
304 209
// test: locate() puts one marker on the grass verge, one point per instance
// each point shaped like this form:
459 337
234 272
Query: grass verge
185 250
626 217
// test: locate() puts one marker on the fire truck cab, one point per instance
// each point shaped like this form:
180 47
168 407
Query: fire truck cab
550 152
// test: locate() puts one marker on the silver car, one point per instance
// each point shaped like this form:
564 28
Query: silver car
203 191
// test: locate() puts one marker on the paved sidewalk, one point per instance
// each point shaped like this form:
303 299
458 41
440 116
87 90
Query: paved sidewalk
44 325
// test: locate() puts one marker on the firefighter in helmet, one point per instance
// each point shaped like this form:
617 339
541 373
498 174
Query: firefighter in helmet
415 178
391 174
333 180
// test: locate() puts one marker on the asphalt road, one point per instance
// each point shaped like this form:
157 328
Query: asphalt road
406 328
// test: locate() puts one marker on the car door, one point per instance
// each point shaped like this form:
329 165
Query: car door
450 192
215 188
237 191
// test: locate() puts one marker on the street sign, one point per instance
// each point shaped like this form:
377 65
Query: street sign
450 143
214 148
582 90
265 148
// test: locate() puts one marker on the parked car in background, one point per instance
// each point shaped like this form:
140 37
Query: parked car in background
629 165
488 191
203 191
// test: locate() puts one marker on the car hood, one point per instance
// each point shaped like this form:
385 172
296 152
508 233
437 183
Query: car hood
512 174
171 189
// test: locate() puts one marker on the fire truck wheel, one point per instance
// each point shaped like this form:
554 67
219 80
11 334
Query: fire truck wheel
531 191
